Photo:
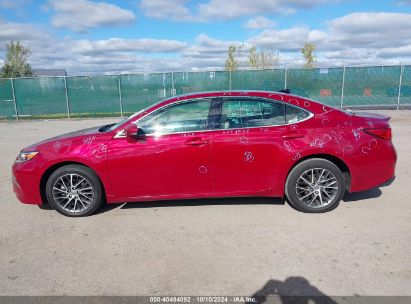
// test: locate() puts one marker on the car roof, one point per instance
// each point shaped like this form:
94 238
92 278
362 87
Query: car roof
228 92
303 102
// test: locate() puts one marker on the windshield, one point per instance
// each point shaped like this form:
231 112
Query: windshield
111 127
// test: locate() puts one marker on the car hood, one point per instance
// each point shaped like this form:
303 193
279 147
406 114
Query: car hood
72 136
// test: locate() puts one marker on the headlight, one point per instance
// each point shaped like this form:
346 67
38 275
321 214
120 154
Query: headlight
25 156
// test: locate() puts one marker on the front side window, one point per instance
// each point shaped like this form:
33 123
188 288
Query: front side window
186 116
245 113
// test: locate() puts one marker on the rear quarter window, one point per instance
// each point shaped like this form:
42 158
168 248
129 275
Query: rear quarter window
294 114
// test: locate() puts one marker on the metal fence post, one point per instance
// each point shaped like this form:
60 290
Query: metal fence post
399 87
342 88
285 78
14 99
172 83
67 99
119 94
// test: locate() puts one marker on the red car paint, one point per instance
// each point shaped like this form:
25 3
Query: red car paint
251 161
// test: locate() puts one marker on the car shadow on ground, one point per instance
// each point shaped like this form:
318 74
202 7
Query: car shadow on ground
207 202
293 290
187 203
363 195
348 197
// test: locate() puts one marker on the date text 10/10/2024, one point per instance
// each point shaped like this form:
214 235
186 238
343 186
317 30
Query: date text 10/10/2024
203 299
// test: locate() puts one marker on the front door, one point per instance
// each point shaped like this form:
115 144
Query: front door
171 159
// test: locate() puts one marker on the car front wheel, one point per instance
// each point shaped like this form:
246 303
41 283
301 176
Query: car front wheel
74 190
315 185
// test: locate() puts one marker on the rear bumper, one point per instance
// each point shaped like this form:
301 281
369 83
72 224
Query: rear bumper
388 182
374 169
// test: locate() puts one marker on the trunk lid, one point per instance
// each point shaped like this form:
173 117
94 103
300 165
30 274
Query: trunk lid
372 116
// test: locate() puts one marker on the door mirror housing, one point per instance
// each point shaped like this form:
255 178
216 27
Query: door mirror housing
131 131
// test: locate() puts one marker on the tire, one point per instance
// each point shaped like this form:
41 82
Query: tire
84 199
322 195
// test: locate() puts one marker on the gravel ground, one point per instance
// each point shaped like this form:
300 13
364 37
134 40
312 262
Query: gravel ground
206 247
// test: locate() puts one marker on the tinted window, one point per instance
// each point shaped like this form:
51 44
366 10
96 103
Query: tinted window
294 114
243 113
182 117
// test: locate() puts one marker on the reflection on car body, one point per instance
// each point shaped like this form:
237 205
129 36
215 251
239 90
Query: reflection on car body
213 144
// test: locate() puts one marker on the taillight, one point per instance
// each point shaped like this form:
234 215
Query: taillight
384 133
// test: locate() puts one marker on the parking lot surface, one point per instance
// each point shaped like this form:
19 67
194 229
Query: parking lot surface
239 246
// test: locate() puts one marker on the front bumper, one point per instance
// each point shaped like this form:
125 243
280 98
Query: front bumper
26 183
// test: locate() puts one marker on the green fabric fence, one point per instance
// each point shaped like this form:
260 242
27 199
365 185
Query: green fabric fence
120 95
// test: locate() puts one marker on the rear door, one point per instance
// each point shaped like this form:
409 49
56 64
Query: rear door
247 148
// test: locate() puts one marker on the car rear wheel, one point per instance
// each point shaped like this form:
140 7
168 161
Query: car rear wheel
315 185
74 190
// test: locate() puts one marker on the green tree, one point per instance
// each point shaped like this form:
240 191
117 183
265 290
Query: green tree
253 58
308 54
265 58
16 64
231 64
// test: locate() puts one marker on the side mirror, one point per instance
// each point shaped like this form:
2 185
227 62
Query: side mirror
131 131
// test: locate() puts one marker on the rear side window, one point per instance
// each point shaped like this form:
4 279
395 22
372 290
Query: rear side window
246 113
294 114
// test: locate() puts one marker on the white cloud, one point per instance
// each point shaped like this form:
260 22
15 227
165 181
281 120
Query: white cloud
259 22
390 52
91 56
359 38
404 2
127 45
14 4
228 9
221 9
19 31
81 15
208 53
371 29
290 39
165 9
121 55
206 46
353 31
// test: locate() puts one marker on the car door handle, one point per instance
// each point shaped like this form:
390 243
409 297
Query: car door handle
196 141
293 134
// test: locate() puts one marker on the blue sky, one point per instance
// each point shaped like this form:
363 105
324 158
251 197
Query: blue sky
89 36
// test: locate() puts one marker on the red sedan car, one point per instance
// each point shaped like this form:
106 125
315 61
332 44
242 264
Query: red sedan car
214 144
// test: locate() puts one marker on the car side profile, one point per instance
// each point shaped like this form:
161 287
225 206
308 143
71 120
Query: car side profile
210 145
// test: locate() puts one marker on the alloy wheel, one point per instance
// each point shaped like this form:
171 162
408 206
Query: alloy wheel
316 188
73 193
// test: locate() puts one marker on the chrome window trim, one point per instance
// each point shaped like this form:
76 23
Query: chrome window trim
120 134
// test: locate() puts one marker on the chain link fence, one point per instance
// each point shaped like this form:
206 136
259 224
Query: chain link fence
120 95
